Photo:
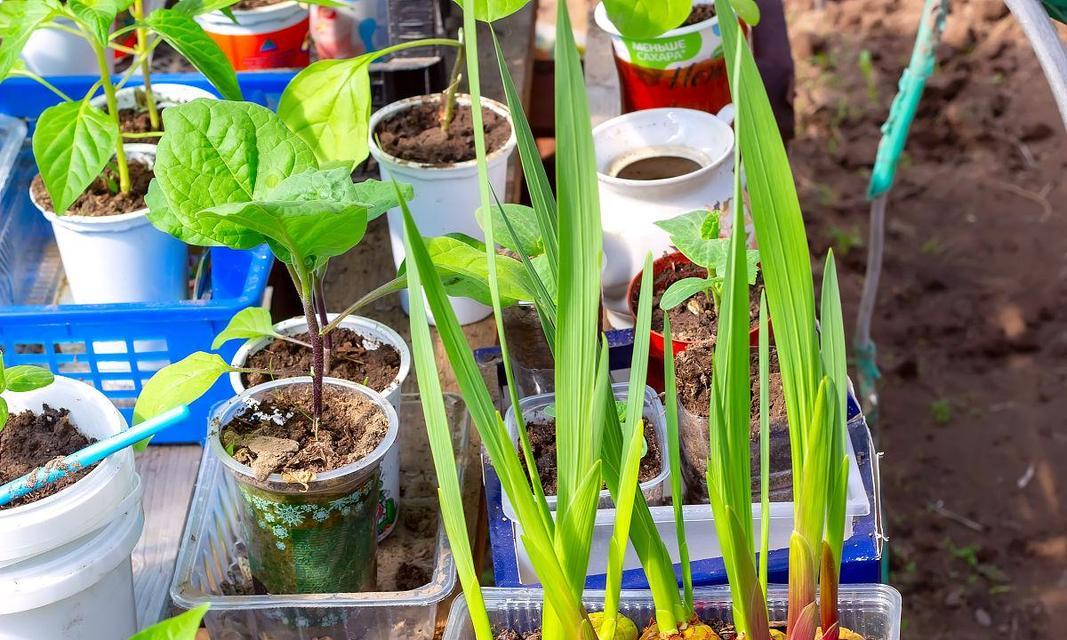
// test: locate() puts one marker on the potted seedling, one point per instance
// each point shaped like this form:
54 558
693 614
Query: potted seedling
425 141
92 182
306 452
65 548
687 284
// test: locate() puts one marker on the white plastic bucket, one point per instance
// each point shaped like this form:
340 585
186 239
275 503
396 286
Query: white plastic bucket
83 590
120 258
361 26
270 37
446 196
51 52
87 505
65 569
167 94
629 208
375 332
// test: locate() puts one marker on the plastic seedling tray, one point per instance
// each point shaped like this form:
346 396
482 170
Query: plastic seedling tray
654 489
872 610
212 553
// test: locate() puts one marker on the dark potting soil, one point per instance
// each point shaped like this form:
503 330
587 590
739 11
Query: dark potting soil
415 134
245 5
351 427
696 319
700 13
543 441
31 440
352 357
98 200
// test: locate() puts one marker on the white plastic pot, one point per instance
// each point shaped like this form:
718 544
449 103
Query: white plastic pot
51 52
167 94
358 27
65 570
446 196
629 208
120 258
375 332
269 37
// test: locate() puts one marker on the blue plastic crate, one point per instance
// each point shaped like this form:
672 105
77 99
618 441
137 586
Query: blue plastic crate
861 555
114 347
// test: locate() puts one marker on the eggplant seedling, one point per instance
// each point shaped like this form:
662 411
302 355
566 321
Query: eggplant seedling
696 235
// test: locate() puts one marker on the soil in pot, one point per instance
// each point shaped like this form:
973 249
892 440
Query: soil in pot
99 200
693 368
301 540
415 134
31 440
700 13
696 319
352 357
542 432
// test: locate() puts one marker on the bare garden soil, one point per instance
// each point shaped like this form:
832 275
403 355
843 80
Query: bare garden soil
971 324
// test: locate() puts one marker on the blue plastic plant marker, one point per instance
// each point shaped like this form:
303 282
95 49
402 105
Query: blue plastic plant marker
906 102
90 455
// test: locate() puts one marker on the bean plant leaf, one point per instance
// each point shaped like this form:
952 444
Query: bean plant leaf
180 383
27 378
180 31
328 105
682 290
465 271
523 221
97 15
219 152
643 19
18 20
378 197
4 413
250 323
696 235
183 626
72 144
493 10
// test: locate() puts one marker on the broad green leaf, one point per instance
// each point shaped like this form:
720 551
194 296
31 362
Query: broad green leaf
4 413
217 152
378 197
181 627
328 106
527 237
682 290
180 383
644 19
27 378
543 266
465 269
97 15
247 324
197 7
493 10
18 20
183 33
72 144
161 215
688 233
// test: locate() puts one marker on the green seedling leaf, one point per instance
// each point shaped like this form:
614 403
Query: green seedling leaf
643 19
465 271
217 152
378 197
97 15
247 324
72 144
684 289
4 413
18 20
181 627
27 378
180 31
527 237
696 235
328 106
180 383
493 10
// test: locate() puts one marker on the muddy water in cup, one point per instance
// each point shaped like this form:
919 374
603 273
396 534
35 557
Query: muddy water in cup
656 163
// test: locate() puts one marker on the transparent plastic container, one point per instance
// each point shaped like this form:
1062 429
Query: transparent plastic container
655 489
212 552
872 610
